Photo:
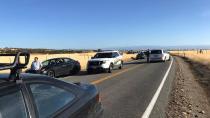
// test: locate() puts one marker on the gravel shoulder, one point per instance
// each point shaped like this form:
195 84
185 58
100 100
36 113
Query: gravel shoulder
190 93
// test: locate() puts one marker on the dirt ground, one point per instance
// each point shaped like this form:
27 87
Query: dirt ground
190 94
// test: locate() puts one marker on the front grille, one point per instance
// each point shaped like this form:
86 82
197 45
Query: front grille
94 63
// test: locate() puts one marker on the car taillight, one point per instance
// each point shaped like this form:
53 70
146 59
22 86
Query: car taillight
98 99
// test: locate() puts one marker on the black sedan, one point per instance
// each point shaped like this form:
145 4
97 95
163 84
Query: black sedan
39 96
58 67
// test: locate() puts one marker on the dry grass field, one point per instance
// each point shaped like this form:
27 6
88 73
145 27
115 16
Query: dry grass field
203 58
81 57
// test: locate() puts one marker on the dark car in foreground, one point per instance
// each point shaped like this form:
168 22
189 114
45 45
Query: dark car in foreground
39 96
58 67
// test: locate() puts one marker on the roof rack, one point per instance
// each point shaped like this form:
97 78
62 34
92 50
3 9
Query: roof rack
16 66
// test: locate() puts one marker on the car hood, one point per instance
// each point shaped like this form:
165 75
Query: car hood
100 59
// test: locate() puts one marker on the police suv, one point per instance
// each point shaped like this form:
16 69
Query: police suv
105 61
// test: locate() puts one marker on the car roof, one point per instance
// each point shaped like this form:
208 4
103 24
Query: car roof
23 76
156 49
107 51
58 58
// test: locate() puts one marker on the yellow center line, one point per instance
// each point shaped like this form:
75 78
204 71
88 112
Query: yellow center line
113 75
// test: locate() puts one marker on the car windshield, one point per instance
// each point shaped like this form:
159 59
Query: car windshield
156 52
103 55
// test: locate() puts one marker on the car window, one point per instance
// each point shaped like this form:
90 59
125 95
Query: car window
59 61
45 63
49 98
156 52
67 60
12 103
115 54
103 55
52 62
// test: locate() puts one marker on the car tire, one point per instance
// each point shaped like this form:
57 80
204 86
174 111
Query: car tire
121 65
110 68
51 73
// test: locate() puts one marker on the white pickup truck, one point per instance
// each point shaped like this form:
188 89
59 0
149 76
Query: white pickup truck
105 61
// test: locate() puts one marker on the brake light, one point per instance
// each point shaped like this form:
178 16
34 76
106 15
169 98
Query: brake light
98 99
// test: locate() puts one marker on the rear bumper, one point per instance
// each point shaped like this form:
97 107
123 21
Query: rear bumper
156 59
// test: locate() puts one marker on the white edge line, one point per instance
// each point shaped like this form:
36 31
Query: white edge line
157 93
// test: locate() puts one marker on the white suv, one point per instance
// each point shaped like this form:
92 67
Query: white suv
159 55
105 61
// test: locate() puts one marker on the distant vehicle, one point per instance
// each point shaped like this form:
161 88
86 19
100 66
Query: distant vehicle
105 61
141 55
159 55
58 67
38 96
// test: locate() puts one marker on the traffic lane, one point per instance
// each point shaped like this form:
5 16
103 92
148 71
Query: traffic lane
128 95
84 77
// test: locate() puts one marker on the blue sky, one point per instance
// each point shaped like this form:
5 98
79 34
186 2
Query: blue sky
103 23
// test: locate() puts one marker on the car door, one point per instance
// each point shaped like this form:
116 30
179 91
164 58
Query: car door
14 102
70 64
51 100
53 67
62 68
117 60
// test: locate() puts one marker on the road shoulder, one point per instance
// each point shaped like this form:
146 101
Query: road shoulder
188 98
162 101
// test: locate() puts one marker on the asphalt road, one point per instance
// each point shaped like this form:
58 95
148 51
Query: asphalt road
126 93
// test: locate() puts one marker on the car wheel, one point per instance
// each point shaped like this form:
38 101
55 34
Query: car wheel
110 68
51 73
121 65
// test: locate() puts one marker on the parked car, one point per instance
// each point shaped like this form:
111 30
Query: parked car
105 61
159 55
58 67
39 96
140 55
